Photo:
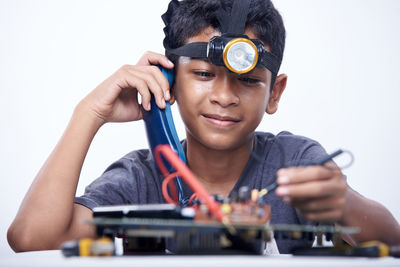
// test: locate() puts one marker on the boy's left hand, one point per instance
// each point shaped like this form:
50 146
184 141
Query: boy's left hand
318 192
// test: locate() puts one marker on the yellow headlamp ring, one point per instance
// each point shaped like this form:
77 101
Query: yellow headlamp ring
240 55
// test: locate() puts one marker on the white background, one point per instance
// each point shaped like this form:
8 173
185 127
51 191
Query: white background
341 56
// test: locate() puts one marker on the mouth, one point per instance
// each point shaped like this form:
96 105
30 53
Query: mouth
221 121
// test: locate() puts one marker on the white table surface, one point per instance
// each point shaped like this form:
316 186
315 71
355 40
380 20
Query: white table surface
55 258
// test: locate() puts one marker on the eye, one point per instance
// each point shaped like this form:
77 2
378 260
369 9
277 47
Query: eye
248 80
204 74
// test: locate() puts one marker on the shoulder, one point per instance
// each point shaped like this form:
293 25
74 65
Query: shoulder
133 179
285 138
137 169
134 161
291 147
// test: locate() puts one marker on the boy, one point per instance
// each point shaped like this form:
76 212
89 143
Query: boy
221 111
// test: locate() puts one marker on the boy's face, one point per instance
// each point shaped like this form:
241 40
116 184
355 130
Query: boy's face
220 109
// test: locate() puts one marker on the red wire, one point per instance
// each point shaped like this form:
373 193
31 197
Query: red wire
187 175
164 187
191 198
174 192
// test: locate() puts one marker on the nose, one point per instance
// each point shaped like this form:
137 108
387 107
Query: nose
223 91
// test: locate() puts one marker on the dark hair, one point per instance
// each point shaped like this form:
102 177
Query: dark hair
185 19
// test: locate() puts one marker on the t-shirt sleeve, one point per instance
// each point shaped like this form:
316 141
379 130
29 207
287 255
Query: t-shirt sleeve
300 150
311 152
116 186
314 152
130 180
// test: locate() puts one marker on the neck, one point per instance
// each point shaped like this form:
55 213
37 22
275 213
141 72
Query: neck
217 170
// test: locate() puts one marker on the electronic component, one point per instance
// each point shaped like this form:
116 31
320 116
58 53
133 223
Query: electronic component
370 249
213 225
146 229
191 230
88 247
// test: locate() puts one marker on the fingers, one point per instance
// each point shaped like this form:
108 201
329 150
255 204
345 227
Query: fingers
318 192
151 58
309 182
163 82
116 98
321 208
312 189
146 79
295 175
329 209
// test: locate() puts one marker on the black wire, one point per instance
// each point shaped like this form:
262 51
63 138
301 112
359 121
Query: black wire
326 158
321 162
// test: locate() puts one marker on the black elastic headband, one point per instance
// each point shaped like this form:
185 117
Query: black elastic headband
234 22
199 50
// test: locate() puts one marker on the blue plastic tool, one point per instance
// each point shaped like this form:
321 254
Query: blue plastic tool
160 128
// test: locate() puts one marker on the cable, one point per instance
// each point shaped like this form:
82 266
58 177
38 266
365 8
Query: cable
187 175
329 157
192 197
164 187
320 162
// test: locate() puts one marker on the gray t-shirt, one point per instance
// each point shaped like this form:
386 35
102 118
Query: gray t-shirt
134 180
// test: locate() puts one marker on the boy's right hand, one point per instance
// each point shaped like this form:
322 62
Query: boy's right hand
116 99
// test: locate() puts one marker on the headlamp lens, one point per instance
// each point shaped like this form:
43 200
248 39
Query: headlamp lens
240 55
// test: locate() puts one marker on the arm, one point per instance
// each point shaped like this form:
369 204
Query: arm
48 216
45 215
375 221
322 195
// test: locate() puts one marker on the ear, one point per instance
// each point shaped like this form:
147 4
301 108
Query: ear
276 93
172 94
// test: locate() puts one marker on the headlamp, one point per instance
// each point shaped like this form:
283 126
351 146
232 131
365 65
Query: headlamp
232 49
238 54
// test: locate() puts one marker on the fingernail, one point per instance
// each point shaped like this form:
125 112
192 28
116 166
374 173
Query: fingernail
170 62
282 191
283 180
281 172
167 96
162 101
148 106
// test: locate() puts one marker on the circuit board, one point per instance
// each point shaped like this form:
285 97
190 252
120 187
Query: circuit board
161 228
157 228
204 224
